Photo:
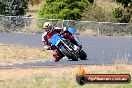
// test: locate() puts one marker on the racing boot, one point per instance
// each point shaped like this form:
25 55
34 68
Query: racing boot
57 55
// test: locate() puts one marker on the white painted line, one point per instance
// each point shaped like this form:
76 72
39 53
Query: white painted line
20 63
1 44
6 64
11 45
10 64
3 65
43 61
50 60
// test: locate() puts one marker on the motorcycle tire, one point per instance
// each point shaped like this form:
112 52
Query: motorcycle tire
68 54
83 55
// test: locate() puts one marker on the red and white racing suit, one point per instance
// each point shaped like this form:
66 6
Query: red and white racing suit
45 36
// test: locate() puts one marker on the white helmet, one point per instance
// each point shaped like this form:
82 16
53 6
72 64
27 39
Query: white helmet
47 25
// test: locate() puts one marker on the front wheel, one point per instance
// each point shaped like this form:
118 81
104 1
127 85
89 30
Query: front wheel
68 53
83 55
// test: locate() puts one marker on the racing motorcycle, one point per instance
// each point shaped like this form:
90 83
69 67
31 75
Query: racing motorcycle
66 47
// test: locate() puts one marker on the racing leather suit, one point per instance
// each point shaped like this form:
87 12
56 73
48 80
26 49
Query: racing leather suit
45 36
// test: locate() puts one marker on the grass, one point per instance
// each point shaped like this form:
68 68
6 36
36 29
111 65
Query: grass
11 53
61 77
49 77
33 10
107 5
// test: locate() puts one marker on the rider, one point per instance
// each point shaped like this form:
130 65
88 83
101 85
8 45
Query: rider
49 31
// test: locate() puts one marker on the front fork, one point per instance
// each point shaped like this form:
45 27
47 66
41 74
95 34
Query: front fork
77 40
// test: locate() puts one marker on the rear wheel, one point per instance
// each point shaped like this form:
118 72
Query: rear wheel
83 55
68 53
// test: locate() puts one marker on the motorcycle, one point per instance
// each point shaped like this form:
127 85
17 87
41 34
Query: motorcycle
66 47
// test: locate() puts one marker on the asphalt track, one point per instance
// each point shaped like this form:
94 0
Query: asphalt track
100 50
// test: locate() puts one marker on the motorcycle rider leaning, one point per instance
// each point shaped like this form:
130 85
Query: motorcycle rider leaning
49 31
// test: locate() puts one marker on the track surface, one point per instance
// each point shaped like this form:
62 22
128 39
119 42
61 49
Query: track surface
100 49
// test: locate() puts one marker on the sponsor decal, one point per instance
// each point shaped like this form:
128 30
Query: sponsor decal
83 78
